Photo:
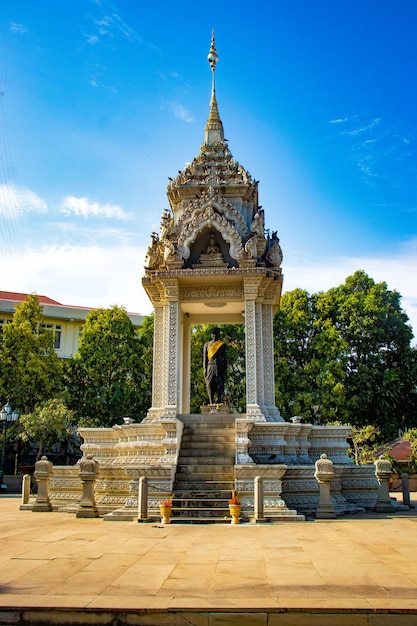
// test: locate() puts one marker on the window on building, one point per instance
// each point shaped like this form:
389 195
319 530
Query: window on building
3 323
57 330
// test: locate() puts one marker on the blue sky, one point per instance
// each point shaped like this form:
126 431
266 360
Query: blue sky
104 100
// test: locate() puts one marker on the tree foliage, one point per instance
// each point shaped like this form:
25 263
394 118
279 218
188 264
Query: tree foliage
48 424
30 370
109 376
345 354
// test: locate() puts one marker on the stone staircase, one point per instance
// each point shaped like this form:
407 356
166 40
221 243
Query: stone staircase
205 472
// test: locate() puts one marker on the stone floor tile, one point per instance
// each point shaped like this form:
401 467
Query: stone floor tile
239 589
90 582
107 601
109 562
181 586
140 580
392 602
45 577
27 600
14 568
313 602
299 590
354 588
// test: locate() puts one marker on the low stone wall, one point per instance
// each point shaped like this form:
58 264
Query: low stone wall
281 453
297 447
124 453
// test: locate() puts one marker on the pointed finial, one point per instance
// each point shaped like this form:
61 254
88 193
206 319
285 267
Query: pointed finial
212 55
214 127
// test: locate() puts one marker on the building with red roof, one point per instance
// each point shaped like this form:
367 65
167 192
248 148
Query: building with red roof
65 320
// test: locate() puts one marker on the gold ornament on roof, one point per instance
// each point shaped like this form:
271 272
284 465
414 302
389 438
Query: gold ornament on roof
212 55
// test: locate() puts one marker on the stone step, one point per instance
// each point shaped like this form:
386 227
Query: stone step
201 513
194 506
193 457
225 479
209 432
200 520
202 495
215 437
217 468
209 418
200 505
208 486
211 424
205 474
207 446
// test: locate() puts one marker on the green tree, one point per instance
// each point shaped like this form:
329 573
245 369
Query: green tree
365 443
309 368
30 370
142 376
108 377
235 394
50 423
381 369
345 354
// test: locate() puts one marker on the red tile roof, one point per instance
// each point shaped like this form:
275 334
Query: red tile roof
20 297
400 449
14 296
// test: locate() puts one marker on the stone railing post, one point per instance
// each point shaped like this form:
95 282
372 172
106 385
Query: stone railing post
25 489
383 472
143 499
258 499
43 473
89 469
405 484
324 474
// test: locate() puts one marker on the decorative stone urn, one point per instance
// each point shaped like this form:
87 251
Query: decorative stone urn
324 474
89 469
383 472
165 508
43 473
235 508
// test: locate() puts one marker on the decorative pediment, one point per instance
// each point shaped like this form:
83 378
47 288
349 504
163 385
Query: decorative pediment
209 217
212 198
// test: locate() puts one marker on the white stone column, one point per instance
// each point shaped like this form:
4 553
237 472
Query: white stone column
171 367
253 332
158 362
185 394
258 355
270 409
158 357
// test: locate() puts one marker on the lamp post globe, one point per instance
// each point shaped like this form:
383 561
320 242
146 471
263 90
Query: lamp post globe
7 416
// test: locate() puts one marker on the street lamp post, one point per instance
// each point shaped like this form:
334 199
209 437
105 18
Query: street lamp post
7 415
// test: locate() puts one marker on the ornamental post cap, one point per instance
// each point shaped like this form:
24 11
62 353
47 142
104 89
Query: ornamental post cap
212 55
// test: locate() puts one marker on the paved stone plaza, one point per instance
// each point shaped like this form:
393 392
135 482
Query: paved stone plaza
57 569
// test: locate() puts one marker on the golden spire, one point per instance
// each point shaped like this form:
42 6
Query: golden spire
214 127
213 59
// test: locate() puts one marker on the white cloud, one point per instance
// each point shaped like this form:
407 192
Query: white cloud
90 276
87 208
15 202
111 24
18 28
363 129
180 111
